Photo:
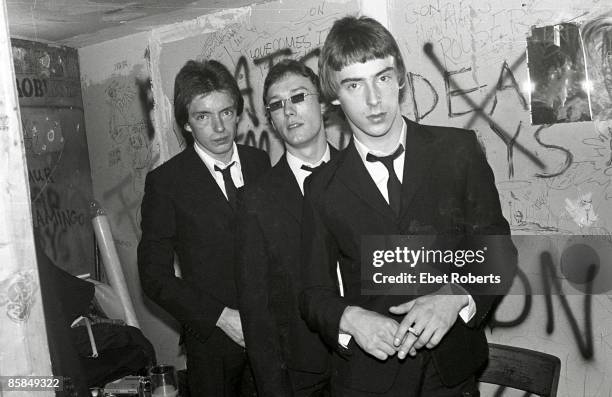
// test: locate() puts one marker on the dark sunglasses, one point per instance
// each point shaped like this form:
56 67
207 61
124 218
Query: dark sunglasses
297 98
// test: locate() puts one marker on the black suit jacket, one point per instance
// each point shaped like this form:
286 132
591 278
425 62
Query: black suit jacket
448 189
185 212
268 268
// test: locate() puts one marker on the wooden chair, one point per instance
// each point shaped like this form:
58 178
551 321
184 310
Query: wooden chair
523 369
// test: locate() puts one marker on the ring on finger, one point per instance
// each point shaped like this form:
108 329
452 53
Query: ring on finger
414 332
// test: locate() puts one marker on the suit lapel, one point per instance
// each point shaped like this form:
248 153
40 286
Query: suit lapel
417 162
286 189
356 177
249 171
201 179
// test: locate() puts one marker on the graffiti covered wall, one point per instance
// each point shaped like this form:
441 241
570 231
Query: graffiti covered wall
123 147
468 68
248 42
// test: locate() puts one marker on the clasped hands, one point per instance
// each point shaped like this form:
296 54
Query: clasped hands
426 320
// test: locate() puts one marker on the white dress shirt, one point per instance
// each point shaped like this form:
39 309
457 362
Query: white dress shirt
377 170
380 176
296 166
210 162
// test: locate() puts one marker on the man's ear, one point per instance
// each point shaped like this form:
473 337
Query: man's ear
323 107
187 127
335 102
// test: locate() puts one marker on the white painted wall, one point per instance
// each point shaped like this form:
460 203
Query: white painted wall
121 152
23 340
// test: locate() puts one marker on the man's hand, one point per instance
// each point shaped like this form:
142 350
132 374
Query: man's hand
428 318
373 332
229 322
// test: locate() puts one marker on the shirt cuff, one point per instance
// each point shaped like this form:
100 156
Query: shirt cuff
344 339
469 311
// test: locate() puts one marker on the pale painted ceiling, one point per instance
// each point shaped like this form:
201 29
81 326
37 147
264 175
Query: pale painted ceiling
78 23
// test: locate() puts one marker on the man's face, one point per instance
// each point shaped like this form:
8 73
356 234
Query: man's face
299 124
369 96
559 84
213 122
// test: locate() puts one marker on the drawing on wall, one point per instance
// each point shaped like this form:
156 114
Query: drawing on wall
130 134
119 96
558 75
597 38
17 294
581 210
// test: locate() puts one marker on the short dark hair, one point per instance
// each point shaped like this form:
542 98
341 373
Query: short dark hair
356 40
286 67
201 78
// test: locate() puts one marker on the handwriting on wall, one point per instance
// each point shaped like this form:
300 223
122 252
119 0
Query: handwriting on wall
553 179
295 30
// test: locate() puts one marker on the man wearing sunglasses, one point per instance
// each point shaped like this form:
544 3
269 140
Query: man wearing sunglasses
287 358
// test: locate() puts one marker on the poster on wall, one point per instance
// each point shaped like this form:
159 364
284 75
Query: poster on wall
48 86
597 37
557 70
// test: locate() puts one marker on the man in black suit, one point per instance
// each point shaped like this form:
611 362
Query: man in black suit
396 178
188 210
287 358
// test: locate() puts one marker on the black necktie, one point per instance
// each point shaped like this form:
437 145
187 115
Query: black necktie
311 169
394 186
230 188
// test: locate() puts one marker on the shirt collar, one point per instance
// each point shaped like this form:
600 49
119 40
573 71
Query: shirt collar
210 162
296 164
363 150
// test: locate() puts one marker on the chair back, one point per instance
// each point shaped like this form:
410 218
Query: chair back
522 369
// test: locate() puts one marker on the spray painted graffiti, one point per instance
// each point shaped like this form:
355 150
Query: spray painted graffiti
55 217
550 280
129 205
510 140
242 73
412 79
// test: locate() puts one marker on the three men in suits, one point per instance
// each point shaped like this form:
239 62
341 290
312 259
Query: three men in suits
396 178
287 358
188 210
